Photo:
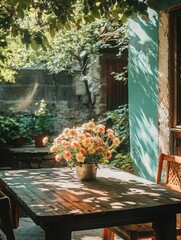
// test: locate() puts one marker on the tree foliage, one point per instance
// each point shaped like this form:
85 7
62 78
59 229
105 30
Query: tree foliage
51 16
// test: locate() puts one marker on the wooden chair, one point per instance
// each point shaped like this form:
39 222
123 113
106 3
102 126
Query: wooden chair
5 217
168 175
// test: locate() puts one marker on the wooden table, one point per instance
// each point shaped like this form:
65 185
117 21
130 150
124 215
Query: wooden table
57 201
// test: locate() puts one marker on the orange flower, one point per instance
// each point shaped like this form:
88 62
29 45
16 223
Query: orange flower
57 140
67 155
108 155
96 142
82 151
110 130
101 128
91 150
116 141
79 144
86 142
91 125
65 144
73 132
111 136
54 149
88 135
80 137
66 131
75 144
79 157
100 149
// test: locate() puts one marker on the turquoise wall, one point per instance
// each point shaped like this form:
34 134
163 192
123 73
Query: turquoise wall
143 92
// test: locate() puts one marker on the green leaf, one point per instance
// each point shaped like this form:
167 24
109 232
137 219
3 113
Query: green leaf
20 13
52 32
46 42
14 31
26 37
43 47
86 10
95 12
38 38
34 45
67 26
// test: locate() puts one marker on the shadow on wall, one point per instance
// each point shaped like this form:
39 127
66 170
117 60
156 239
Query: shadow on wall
143 95
59 91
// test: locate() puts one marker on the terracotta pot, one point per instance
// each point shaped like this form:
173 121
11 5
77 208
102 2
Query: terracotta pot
39 141
86 172
18 142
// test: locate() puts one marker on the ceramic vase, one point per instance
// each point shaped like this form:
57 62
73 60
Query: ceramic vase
86 172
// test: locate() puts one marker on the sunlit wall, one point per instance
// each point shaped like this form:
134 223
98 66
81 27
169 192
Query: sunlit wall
143 91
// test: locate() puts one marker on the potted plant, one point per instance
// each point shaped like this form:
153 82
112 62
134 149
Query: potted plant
24 131
43 123
85 147
8 128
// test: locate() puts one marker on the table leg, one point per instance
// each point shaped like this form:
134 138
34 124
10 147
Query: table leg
55 233
107 234
165 227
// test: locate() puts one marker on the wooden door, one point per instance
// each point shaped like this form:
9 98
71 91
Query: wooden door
116 91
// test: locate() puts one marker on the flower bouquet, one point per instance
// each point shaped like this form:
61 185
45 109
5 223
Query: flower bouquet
90 143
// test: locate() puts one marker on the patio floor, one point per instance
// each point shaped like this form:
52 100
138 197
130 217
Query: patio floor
29 231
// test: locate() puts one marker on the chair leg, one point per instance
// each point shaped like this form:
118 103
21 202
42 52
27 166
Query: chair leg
107 234
7 225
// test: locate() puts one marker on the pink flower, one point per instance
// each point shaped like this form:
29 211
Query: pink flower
58 158
45 140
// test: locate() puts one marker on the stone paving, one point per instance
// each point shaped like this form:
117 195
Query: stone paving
29 231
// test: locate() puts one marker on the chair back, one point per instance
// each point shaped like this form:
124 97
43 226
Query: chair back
5 216
169 171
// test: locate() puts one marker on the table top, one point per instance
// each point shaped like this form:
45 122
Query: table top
55 195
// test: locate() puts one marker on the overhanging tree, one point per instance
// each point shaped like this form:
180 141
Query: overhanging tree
52 15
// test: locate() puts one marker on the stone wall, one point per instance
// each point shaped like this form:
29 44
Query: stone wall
65 95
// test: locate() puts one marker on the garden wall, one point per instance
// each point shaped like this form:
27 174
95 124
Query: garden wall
65 95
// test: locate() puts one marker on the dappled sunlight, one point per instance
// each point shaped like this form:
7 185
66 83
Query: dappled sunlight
71 196
143 100
28 98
